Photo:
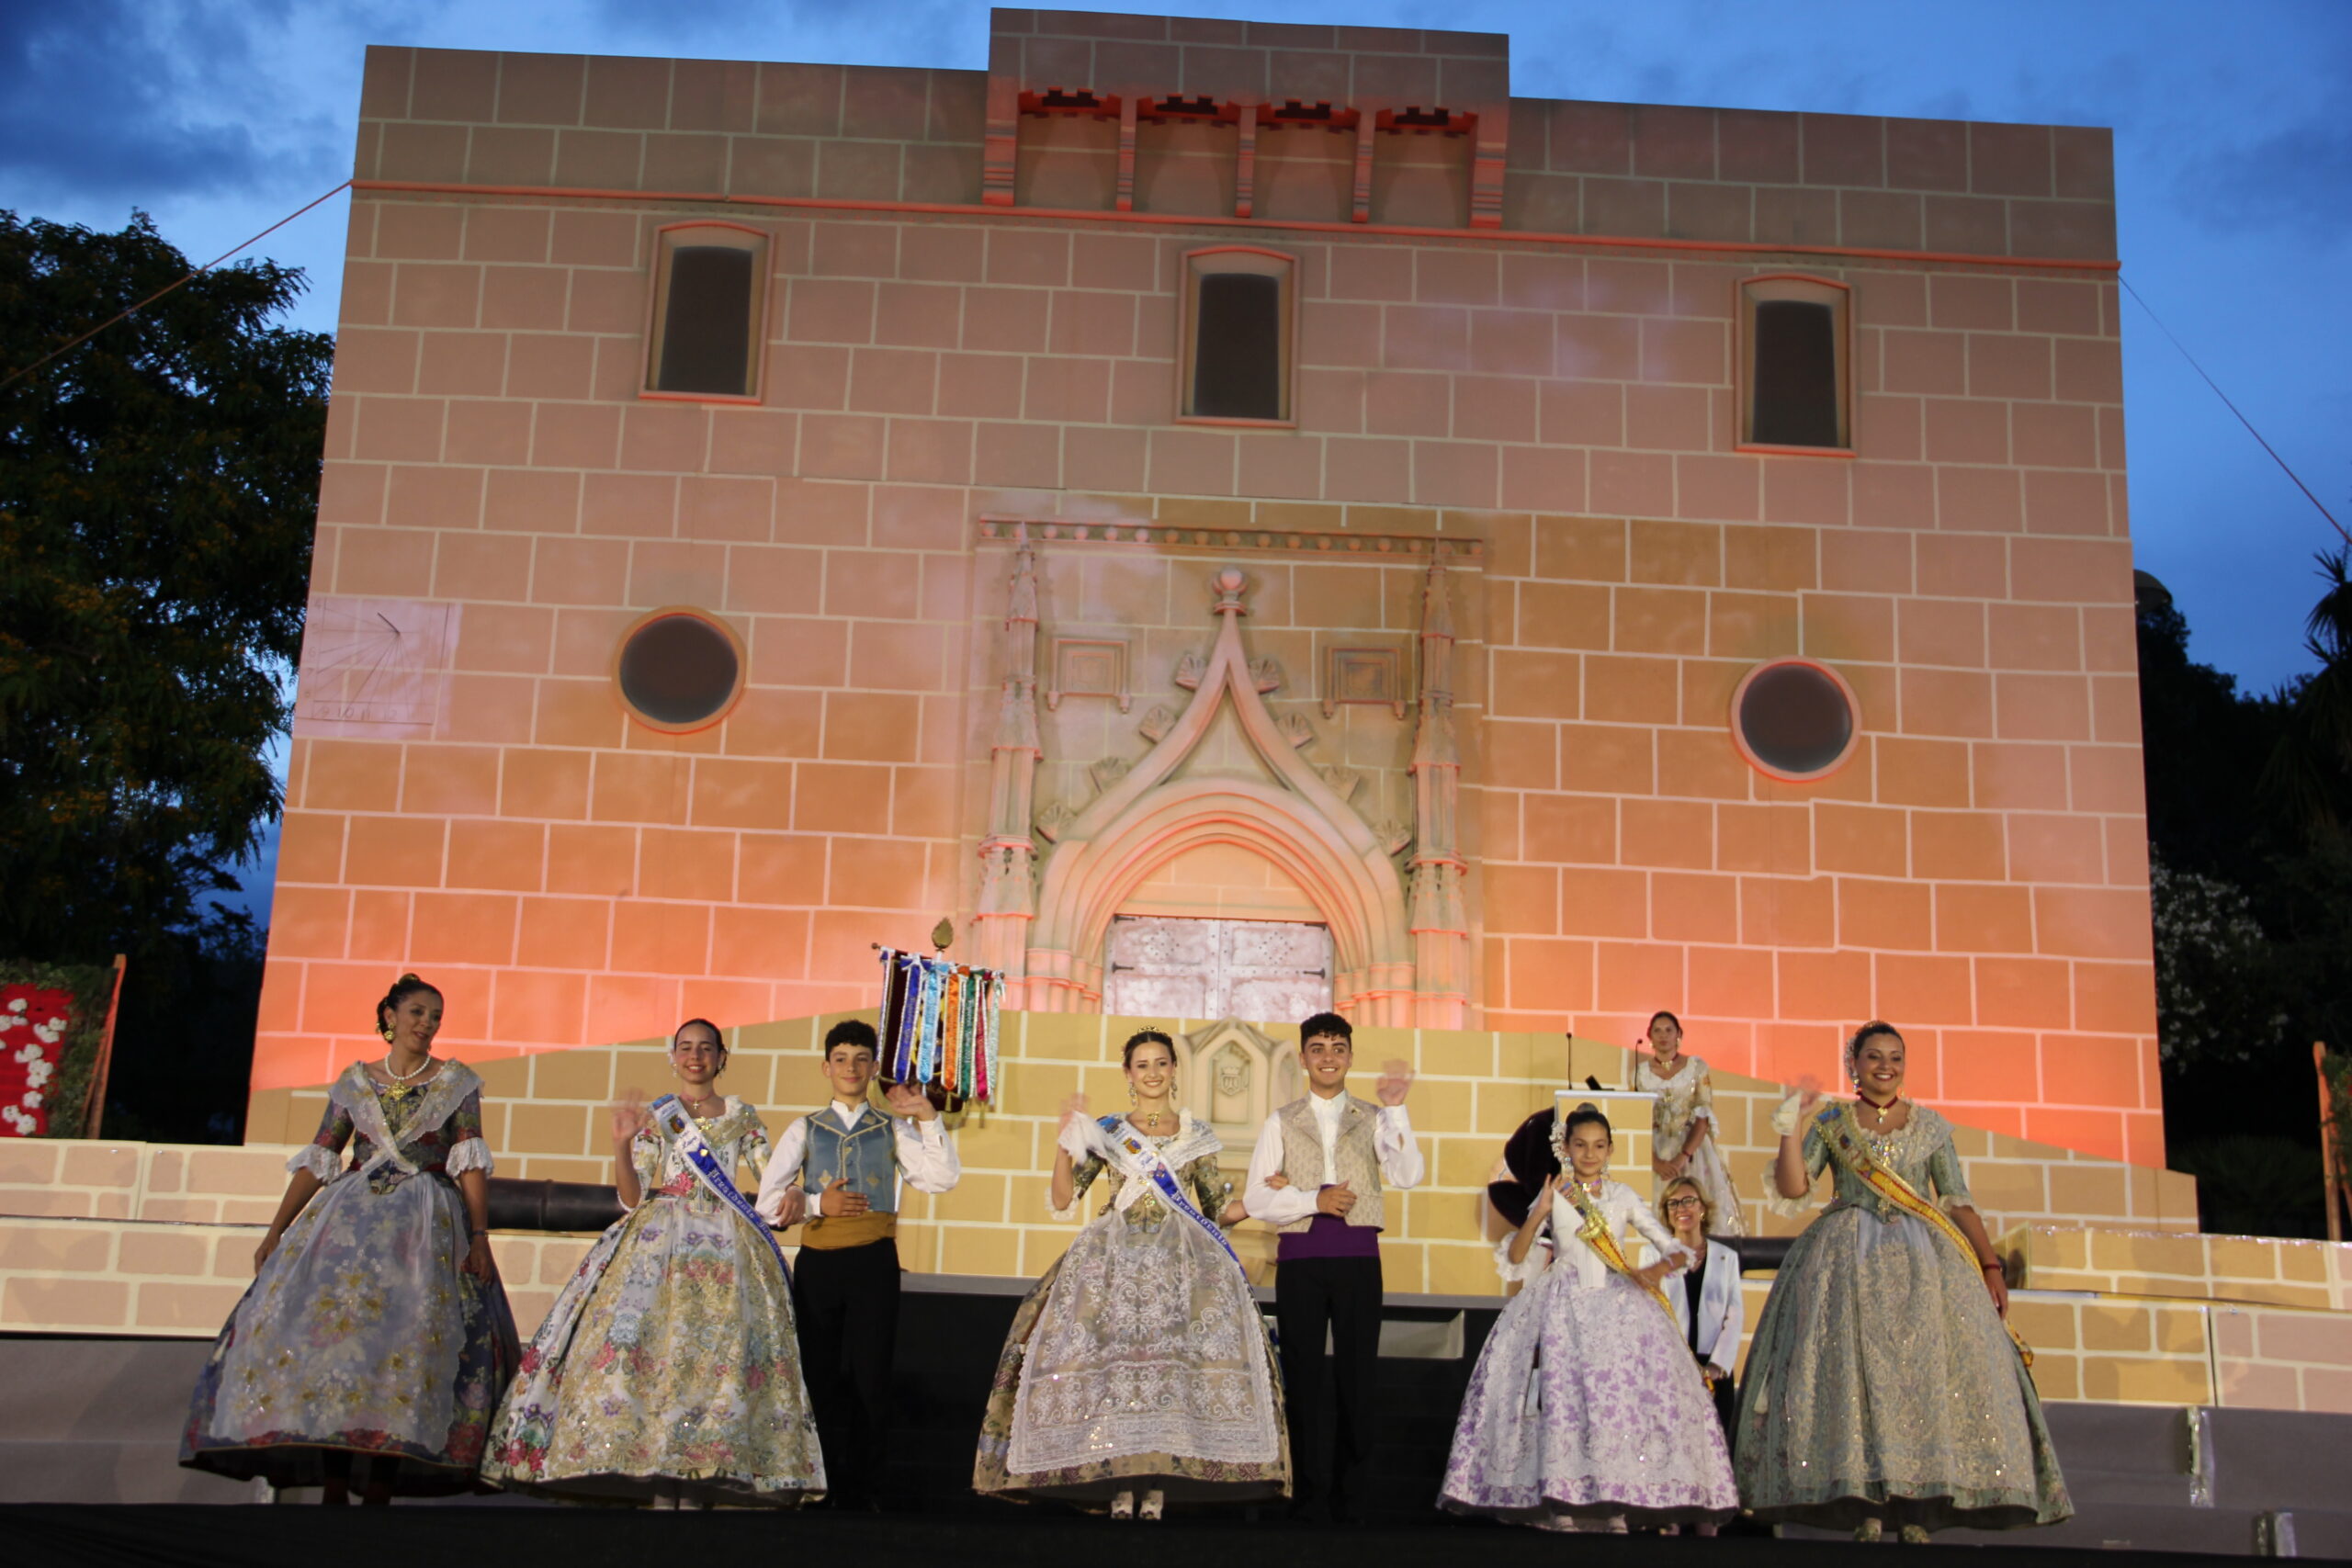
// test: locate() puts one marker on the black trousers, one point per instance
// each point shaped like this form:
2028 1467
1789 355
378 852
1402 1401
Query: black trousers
1341 1294
847 1301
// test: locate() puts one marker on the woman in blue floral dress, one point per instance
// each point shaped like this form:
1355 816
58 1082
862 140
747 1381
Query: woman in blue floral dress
374 1343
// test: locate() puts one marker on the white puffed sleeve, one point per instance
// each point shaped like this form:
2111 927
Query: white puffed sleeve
472 1154
1784 1124
319 1160
1078 1139
1538 1259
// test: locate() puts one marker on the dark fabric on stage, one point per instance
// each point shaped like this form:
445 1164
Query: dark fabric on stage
530 1536
847 1301
1529 1157
1342 1295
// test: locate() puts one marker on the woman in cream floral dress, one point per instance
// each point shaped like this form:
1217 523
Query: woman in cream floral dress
1682 1124
375 1340
1139 1365
669 1367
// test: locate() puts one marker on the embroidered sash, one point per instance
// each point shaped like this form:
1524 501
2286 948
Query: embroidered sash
1145 1163
1842 1130
671 1116
1598 1234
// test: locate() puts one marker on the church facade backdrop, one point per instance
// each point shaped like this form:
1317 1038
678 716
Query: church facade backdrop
1231 514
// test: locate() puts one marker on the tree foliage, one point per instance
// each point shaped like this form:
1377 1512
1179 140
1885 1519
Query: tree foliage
2249 804
157 491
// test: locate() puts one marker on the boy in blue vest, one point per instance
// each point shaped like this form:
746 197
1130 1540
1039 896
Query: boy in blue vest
1336 1154
845 1281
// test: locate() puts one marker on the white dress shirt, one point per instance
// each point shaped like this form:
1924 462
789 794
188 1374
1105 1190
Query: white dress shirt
1392 1141
926 1156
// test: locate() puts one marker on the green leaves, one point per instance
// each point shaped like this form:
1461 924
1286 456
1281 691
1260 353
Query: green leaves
158 487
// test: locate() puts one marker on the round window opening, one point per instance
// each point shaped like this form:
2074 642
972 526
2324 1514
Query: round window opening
678 670
1793 719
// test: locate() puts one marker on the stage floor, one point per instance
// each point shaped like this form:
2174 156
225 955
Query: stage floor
60 1536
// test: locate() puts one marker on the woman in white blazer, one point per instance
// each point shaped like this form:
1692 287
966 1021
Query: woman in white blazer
1705 1297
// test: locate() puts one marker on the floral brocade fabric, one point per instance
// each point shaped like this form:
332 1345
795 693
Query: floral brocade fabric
361 1333
670 1355
1881 1383
1138 1359
1689 1095
1585 1403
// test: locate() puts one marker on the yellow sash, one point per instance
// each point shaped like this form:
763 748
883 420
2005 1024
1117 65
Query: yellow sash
1596 1233
1842 1130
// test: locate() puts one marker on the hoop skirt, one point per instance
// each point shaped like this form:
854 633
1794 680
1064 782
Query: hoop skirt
1881 1382
670 1355
361 1333
1586 1403
1140 1358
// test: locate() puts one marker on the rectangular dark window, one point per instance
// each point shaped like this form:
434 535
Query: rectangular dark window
1238 347
706 326
1795 390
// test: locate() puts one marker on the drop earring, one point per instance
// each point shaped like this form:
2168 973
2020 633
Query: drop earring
386 1030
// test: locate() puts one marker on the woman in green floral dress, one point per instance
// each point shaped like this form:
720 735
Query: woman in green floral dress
1883 1387
667 1371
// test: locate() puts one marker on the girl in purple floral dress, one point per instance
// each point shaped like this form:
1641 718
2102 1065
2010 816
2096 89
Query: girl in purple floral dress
1586 1407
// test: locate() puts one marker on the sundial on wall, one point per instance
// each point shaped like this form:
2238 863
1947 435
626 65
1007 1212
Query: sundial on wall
375 666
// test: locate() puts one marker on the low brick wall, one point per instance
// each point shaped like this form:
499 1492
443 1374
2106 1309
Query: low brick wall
2263 1270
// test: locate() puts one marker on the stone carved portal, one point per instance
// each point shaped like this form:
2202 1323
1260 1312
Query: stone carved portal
1157 966
1235 1076
1286 811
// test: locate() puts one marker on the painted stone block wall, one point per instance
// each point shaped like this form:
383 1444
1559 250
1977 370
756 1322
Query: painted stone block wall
545 1118
498 490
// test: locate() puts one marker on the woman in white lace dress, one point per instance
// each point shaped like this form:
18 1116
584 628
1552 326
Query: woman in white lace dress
1682 1124
1139 1366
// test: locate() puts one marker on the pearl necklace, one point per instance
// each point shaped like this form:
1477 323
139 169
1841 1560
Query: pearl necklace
403 1078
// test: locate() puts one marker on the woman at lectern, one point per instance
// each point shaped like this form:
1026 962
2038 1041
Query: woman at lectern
371 1349
667 1371
1139 1368
1682 1124
1883 1387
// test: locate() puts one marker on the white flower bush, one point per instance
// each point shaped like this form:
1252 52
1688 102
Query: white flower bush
2210 956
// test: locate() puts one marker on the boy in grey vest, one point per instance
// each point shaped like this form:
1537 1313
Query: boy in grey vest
1336 1154
840 1169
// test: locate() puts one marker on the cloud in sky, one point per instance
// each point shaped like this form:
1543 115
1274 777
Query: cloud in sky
2233 163
2297 180
117 100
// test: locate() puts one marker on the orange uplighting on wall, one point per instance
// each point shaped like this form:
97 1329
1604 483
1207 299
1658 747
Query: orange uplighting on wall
1528 668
